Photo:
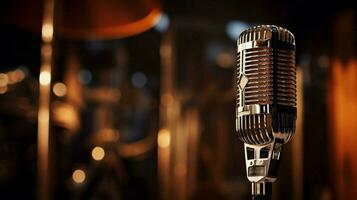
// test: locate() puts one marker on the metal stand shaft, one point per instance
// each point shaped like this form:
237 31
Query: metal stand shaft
262 191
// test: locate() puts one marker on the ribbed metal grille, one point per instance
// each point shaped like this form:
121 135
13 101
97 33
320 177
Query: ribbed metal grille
237 79
255 129
286 78
266 85
257 33
264 32
259 70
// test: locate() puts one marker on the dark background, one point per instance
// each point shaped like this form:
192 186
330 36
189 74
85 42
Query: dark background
324 31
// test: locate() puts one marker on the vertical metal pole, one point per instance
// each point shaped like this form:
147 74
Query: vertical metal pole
166 117
44 102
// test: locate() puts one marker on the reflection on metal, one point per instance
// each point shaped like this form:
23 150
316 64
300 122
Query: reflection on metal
265 99
44 102
266 96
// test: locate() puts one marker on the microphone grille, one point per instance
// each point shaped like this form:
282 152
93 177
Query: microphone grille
266 84
264 32
256 64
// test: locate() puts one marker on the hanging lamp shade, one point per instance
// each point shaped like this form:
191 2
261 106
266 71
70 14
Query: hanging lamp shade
106 19
86 19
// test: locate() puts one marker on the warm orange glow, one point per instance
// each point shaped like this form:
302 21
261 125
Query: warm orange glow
16 76
4 79
98 153
79 176
118 31
297 145
3 89
43 132
45 78
167 99
163 138
180 170
343 126
65 115
59 89
107 135
46 50
165 50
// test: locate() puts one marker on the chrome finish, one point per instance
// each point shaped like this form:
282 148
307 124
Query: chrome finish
263 188
266 99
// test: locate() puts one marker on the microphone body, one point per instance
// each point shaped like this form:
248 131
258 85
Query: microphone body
266 101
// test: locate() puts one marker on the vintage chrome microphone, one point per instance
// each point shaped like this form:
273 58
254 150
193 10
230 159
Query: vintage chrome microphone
266 101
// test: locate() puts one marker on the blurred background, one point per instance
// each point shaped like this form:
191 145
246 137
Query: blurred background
118 99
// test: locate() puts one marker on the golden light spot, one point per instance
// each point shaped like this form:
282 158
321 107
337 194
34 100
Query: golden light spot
98 153
4 79
59 89
45 78
79 176
163 138
16 76
19 74
47 32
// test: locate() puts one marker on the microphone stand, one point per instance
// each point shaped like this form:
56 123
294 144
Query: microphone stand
262 191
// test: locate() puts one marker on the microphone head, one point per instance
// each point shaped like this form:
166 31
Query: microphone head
266 96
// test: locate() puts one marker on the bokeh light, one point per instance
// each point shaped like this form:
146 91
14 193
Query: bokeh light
98 153
47 32
163 23
138 80
59 89
4 79
235 28
45 78
3 89
163 138
85 76
79 176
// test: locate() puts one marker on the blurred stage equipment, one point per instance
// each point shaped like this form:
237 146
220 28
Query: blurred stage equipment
83 19
266 101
